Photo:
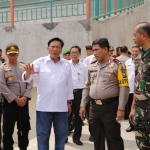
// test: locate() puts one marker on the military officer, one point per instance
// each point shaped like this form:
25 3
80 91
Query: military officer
140 110
66 54
107 85
16 95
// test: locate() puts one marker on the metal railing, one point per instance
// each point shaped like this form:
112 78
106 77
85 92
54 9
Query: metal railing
105 8
38 12
27 10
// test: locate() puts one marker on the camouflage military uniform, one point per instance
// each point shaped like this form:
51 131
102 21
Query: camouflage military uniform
142 100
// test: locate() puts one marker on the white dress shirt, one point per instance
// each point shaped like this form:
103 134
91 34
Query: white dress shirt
79 74
88 60
131 73
55 85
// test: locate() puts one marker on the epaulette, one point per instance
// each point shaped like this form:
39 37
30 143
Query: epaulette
117 61
22 63
5 63
6 66
93 61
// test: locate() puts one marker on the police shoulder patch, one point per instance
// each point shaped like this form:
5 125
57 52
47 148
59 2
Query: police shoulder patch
116 61
93 61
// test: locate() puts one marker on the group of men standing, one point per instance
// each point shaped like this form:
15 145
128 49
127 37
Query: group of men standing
69 85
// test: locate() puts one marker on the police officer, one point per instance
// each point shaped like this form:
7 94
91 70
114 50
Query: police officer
16 95
111 50
140 110
107 85
124 54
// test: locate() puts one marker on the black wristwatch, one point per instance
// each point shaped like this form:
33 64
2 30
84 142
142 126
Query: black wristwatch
69 103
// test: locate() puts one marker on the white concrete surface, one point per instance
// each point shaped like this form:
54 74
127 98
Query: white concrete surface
128 138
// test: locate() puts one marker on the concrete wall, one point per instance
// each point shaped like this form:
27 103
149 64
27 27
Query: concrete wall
119 29
32 39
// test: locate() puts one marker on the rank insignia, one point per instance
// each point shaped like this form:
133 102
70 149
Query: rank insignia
94 68
6 68
12 48
10 78
111 65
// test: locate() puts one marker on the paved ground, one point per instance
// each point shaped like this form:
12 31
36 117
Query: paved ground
128 138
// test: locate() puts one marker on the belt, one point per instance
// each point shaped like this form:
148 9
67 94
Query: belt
104 101
76 90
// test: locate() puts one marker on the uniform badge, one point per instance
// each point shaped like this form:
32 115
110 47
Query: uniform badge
12 48
111 65
10 79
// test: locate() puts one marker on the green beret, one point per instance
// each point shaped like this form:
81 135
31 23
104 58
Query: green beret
66 51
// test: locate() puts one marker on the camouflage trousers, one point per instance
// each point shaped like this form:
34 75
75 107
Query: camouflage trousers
142 124
142 138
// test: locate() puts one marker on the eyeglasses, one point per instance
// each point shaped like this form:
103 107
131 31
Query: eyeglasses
75 53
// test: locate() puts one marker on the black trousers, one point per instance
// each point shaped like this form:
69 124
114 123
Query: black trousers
76 107
13 113
104 124
87 117
128 107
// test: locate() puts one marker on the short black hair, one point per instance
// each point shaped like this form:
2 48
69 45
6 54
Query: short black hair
144 27
124 49
56 39
102 42
136 47
0 50
129 53
118 48
88 47
75 46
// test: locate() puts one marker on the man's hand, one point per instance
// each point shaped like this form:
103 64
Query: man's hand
69 109
20 101
131 116
24 98
120 115
82 113
29 70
